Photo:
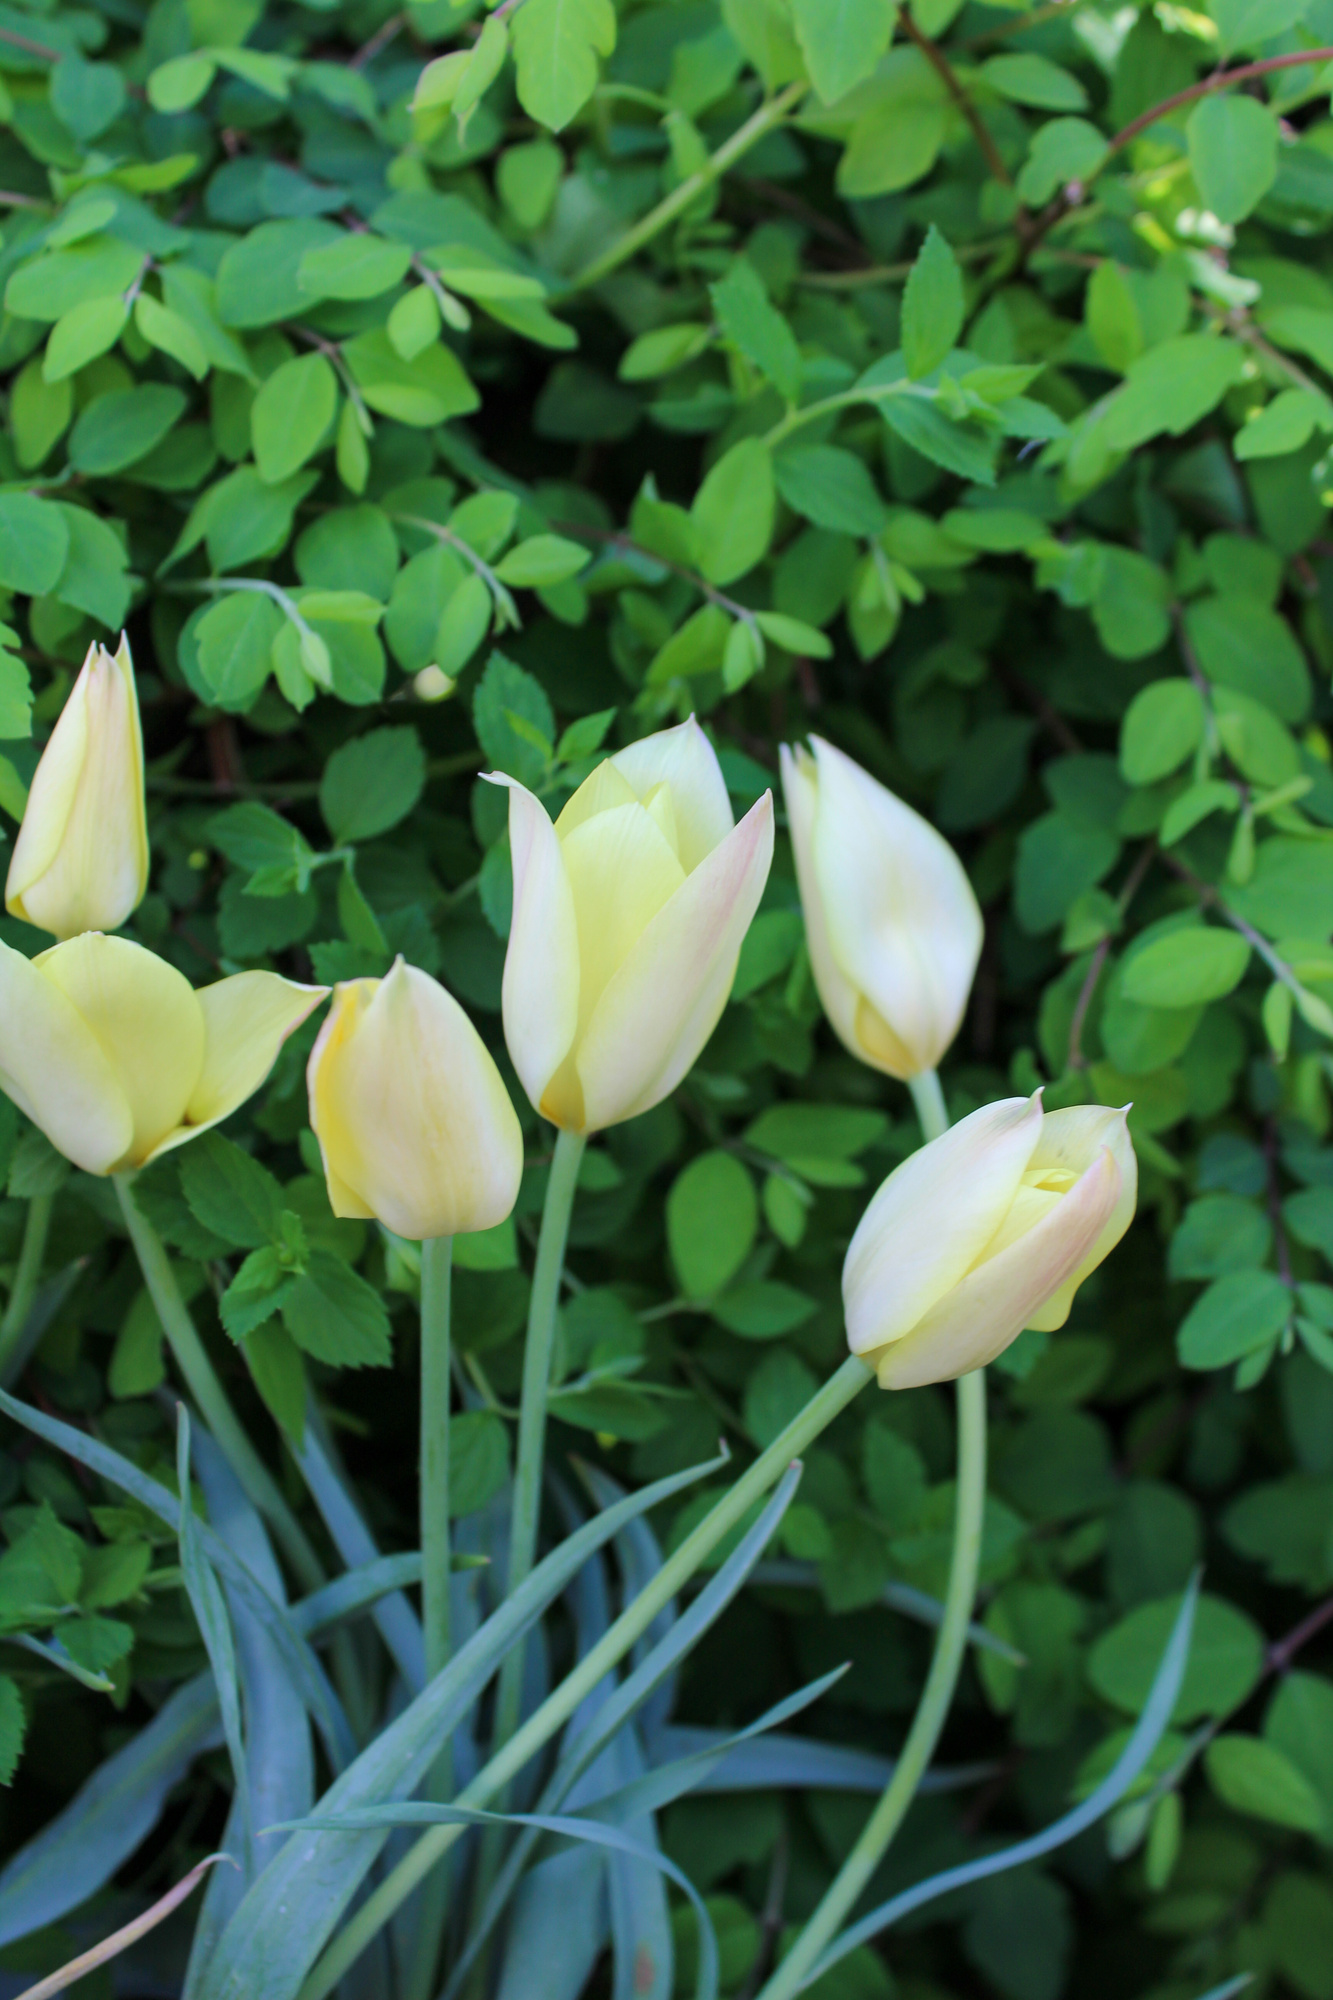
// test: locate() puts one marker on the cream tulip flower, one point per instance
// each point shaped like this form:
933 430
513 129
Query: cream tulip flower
987 1230
629 914
413 1121
80 862
892 924
111 1052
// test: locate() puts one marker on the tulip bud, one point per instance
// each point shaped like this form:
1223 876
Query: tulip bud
629 914
893 927
110 1051
80 862
415 1126
987 1230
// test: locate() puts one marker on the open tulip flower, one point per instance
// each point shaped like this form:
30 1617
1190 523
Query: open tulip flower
80 862
413 1120
892 924
113 1054
629 914
987 1230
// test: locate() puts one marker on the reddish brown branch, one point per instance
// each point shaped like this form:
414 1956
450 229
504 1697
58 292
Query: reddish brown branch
944 69
1217 81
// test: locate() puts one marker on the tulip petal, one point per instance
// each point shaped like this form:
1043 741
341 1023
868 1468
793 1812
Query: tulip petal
247 1018
1073 1138
601 791
932 1219
413 1120
541 975
80 862
145 1016
351 998
685 761
662 1004
622 870
800 788
56 1070
979 1318
903 923
51 796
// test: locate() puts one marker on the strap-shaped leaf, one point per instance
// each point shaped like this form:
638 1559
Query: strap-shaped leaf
265 1947
306 1671
1147 1733
78 1852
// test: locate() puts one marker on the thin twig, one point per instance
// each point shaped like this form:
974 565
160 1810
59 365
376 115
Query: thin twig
944 69
381 38
1047 714
1220 79
1275 1203
29 47
1018 25
1279 1655
1132 884
887 274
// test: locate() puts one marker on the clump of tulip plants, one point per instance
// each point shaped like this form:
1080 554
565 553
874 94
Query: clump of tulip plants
664 999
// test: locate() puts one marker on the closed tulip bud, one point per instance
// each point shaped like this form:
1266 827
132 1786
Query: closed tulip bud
893 927
987 1230
80 862
629 914
113 1054
415 1126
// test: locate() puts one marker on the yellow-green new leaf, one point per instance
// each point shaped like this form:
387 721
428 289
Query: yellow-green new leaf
733 511
556 47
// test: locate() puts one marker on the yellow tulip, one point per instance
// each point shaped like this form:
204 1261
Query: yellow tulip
987 1230
415 1126
892 924
80 862
113 1054
629 914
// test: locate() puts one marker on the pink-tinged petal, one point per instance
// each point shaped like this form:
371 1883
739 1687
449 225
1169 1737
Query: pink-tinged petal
247 1018
979 1318
903 923
540 993
932 1220
660 1007
414 1122
800 789
145 1015
1074 1138
56 1070
685 762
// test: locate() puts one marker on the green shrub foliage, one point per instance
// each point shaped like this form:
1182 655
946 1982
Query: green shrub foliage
437 391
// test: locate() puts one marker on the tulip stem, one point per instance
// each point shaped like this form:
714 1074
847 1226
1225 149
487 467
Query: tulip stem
928 1098
526 1510
841 1389
542 1309
27 1272
257 1482
792 1975
437 1256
